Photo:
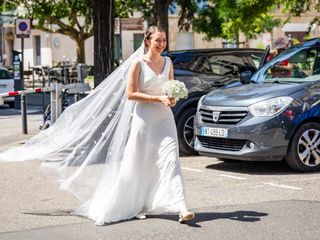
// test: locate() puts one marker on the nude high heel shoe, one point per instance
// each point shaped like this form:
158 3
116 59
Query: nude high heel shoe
141 215
185 217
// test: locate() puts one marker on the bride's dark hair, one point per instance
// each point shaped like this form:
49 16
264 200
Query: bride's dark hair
151 30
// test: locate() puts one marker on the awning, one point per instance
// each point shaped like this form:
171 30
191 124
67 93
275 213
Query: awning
296 27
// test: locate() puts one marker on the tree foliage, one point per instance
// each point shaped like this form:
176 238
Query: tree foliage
155 12
69 17
298 7
227 18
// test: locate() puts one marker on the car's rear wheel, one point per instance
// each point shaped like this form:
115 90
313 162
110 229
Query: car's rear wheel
185 132
304 149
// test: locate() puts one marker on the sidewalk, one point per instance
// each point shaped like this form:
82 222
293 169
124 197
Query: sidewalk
28 199
11 126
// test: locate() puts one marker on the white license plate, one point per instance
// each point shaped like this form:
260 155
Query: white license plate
214 132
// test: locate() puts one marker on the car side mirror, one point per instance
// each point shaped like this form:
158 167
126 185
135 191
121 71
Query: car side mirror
245 77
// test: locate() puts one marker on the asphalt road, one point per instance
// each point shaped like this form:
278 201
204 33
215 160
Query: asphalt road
232 200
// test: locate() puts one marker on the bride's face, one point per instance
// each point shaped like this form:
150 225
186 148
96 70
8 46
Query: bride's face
157 42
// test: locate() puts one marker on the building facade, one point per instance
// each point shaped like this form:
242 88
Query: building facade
45 49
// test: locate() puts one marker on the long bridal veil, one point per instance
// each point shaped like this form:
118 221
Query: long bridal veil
87 141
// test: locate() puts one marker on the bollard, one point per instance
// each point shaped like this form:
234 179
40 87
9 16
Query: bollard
65 73
76 97
82 72
55 102
24 114
33 77
49 76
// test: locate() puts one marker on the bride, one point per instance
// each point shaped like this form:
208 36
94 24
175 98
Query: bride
117 149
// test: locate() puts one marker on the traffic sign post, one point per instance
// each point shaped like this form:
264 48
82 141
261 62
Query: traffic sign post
23 30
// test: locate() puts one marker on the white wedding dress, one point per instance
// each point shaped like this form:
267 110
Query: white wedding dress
150 178
118 157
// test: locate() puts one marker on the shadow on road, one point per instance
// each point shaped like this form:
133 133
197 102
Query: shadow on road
255 168
51 213
243 216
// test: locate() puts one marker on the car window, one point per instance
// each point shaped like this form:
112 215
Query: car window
230 65
184 61
4 74
203 66
300 67
255 59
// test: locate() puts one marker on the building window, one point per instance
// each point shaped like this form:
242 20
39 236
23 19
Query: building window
137 40
37 50
184 40
173 9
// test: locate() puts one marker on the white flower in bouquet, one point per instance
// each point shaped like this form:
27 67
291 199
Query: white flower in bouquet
175 89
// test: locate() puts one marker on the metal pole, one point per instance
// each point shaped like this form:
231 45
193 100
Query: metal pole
76 97
65 77
120 35
24 114
55 103
44 94
22 57
49 77
33 77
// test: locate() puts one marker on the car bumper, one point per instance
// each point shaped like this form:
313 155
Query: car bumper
256 138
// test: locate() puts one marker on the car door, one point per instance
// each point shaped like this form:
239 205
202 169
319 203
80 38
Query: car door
226 67
314 62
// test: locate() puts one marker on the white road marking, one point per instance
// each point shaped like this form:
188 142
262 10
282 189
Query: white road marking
192 169
231 176
282 186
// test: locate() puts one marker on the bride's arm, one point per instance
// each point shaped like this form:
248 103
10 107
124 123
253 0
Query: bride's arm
132 88
171 76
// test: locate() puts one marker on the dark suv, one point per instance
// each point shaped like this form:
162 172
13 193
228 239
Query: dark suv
203 70
275 117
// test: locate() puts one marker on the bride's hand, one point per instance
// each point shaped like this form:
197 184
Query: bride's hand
172 102
168 101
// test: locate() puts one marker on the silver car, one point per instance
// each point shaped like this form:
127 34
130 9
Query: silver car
275 117
6 85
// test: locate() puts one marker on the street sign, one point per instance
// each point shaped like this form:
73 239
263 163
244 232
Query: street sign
23 28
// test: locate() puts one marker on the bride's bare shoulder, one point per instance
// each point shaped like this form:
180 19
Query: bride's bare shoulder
135 65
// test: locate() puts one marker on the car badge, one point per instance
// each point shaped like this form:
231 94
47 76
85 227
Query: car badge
215 116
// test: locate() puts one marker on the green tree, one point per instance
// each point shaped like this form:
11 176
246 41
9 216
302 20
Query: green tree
69 17
155 12
227 18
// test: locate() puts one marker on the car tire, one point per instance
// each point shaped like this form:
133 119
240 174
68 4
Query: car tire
304 148
185 132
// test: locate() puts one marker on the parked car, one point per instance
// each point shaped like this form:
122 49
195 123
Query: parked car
276 117
203 70
6 85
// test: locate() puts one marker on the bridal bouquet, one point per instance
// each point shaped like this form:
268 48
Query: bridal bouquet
175 89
